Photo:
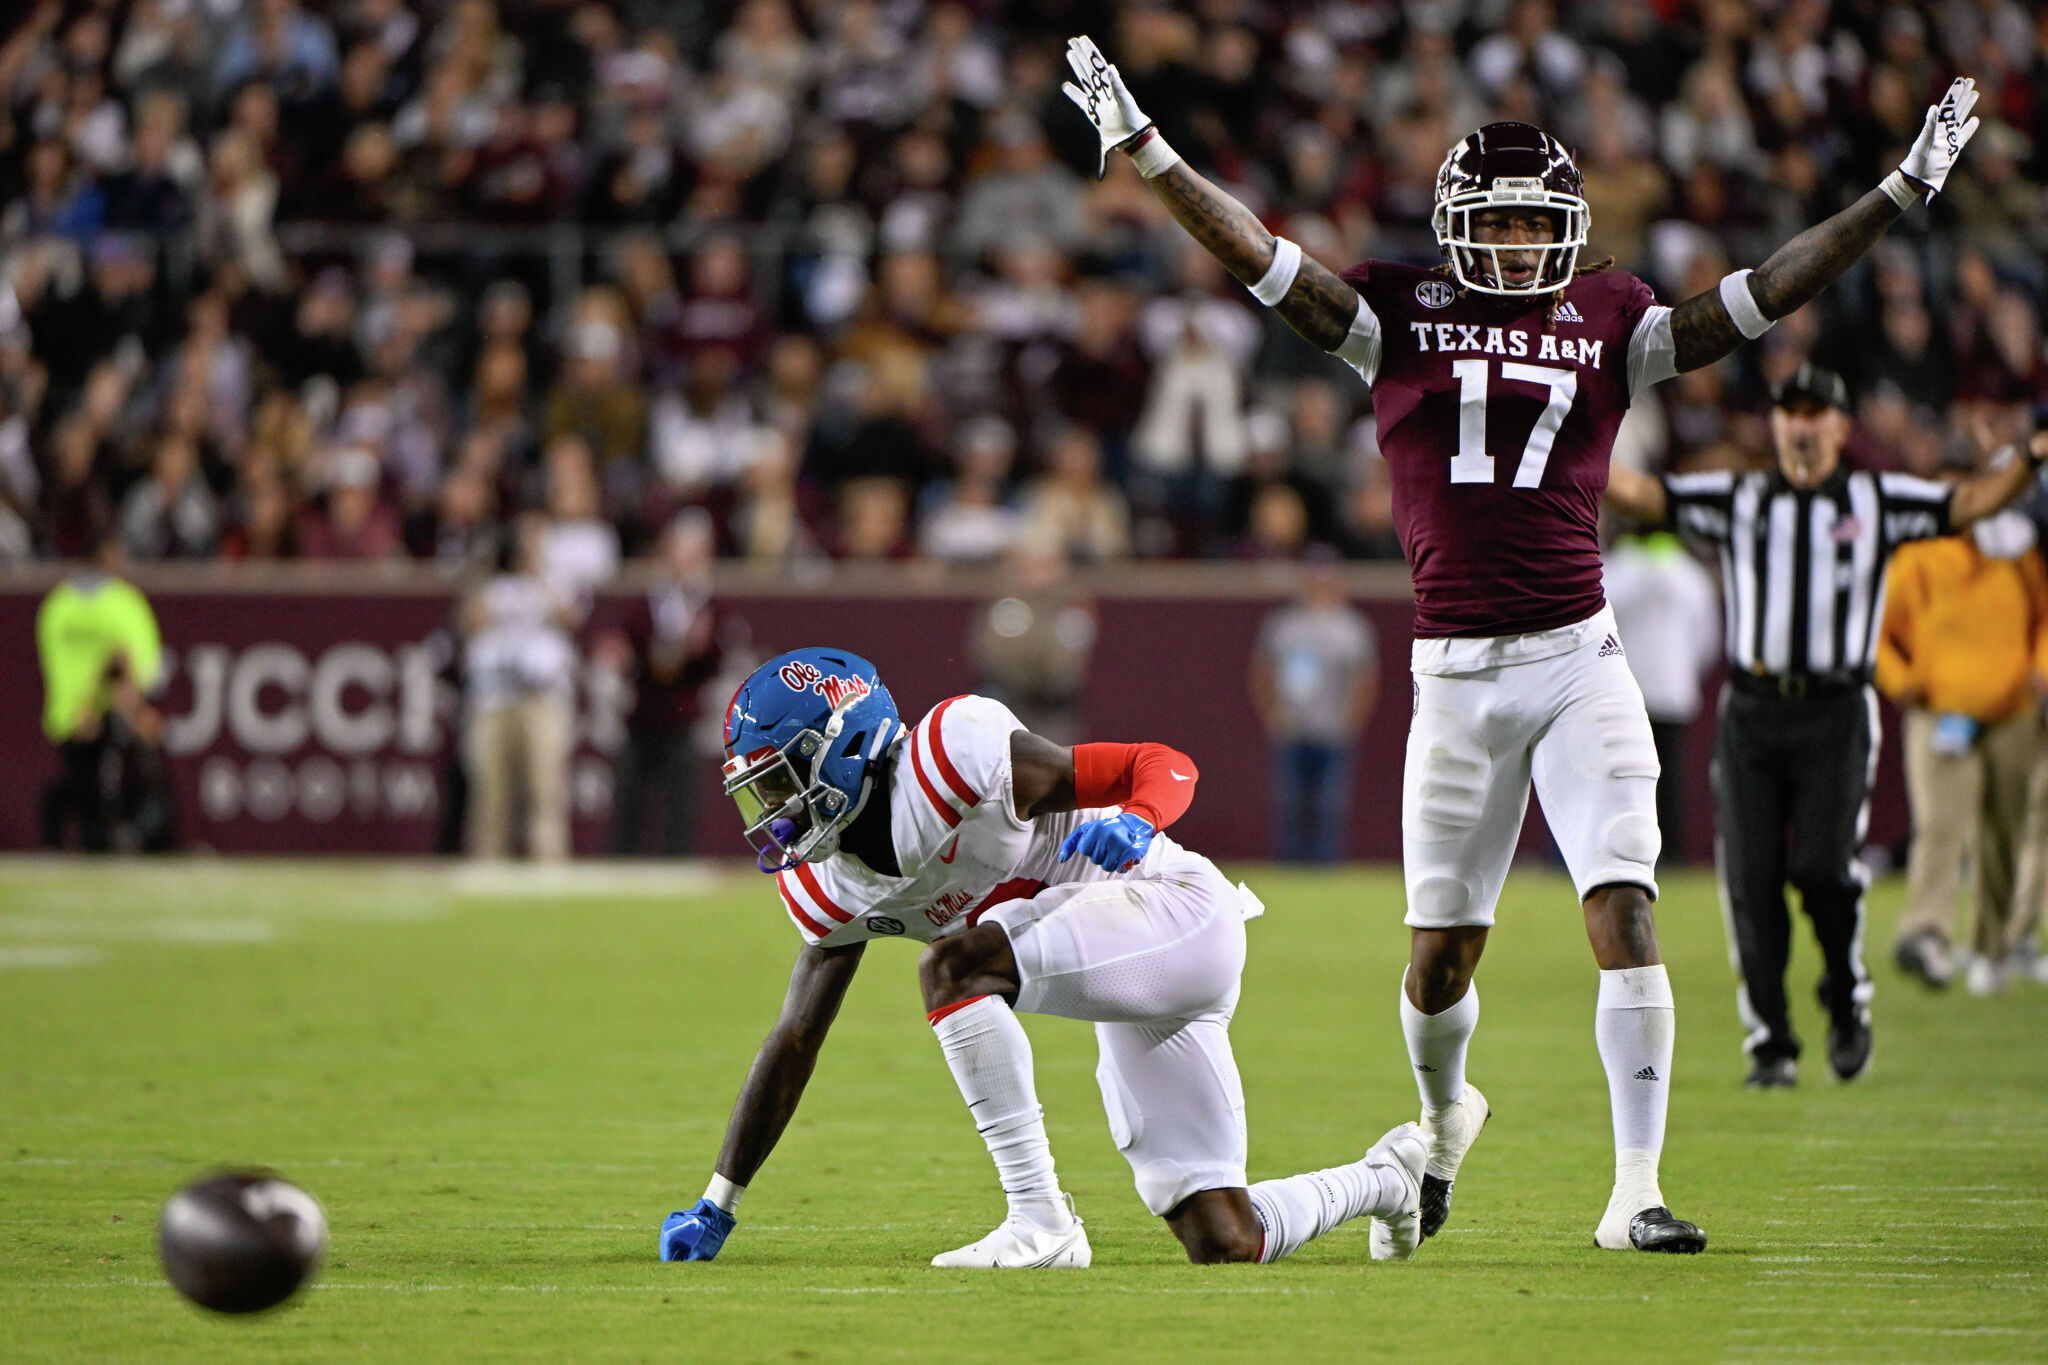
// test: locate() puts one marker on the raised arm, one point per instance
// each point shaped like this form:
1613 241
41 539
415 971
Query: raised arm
1311 299
1996 488
1317 304
1708 326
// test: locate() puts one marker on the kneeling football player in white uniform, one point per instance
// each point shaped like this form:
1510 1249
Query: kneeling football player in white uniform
1039 880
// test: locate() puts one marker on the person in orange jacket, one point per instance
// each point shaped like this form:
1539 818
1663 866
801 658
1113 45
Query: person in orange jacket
1964 651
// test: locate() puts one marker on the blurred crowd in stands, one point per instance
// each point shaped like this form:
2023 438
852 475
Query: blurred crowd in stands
352 279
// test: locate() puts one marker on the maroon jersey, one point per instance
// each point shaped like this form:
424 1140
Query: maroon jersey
1497 425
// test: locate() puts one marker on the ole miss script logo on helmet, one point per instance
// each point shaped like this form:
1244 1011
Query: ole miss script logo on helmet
803 677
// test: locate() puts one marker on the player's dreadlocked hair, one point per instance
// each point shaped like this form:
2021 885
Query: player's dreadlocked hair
1556 297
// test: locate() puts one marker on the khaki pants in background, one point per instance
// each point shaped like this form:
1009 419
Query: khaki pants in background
520 748
1988 807
2030 876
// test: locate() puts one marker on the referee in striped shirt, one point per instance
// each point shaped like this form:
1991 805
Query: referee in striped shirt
1803 550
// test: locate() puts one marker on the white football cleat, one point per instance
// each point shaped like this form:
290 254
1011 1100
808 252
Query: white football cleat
1451 1132
1402 1152
1016 1246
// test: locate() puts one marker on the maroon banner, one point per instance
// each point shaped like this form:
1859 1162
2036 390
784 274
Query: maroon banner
294 723
310 722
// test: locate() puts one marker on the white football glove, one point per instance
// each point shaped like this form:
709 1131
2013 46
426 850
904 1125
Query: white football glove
1942 136
1102 97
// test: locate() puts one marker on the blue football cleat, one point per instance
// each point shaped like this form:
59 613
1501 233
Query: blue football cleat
697 1234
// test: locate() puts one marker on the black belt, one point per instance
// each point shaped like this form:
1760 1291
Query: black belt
1795 686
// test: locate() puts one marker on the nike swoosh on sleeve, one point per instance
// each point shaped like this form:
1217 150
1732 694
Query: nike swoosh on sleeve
1180 777
951 849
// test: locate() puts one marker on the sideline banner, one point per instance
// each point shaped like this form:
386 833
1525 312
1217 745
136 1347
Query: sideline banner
327 721
310 723
294 723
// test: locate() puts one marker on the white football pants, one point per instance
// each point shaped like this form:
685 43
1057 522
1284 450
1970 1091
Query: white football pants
1154 963
1559 707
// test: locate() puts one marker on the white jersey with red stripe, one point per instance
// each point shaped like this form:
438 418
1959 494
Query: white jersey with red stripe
960 844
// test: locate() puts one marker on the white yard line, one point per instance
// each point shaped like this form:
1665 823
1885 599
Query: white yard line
47 955
168 929
529 881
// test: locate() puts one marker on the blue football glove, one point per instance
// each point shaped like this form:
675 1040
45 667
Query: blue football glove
696 1235
1115 844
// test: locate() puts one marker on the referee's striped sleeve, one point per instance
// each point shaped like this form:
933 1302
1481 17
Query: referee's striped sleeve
1698 504
1914 508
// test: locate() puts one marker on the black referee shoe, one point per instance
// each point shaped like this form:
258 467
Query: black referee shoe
1654 1229
1779 1073
1849 1046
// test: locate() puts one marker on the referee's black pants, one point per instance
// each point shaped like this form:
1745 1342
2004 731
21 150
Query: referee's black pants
1791 801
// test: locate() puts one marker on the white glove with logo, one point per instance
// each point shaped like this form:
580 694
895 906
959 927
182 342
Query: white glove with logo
1942 136
1102 97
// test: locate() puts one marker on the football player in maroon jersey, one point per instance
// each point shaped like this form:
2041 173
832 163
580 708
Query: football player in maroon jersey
1498 379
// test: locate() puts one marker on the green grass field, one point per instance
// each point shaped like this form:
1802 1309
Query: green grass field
499 1081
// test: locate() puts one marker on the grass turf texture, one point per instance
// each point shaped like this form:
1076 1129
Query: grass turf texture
499 1081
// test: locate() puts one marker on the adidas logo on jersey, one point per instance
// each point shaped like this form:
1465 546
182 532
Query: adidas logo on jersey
1567 313
1610 646
1648 1073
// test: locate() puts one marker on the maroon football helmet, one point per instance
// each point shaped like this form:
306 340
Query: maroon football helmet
1510 165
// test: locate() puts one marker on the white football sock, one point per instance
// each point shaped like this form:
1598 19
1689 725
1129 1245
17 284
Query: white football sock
1634 1024
1303 1207
991 1060
1436 1046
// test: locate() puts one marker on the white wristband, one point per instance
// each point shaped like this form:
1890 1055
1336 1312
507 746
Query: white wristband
1279 277
724 1193
1154 156
1741 305
1900 190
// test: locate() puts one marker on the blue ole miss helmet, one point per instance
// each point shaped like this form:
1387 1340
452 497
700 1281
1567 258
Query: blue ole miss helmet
802 737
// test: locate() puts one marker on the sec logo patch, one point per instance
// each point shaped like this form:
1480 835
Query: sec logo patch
1435 294
882 924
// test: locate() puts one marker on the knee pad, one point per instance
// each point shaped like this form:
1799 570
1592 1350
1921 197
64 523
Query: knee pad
1634 838
1440 900
1164 1185
1164 1182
